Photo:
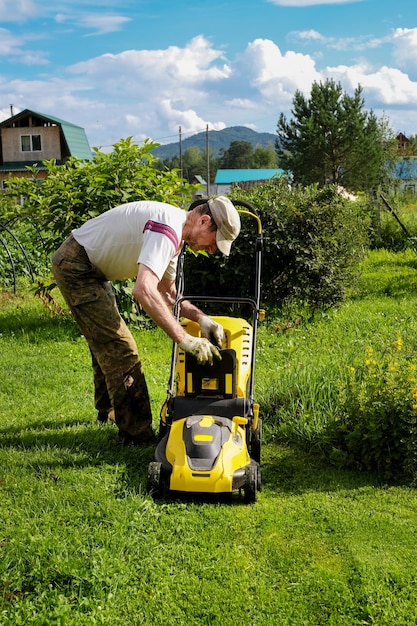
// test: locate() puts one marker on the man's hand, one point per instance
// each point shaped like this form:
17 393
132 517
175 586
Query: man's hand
201 348
210 327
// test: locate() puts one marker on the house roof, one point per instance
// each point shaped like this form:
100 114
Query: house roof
74 136
226 177
18 166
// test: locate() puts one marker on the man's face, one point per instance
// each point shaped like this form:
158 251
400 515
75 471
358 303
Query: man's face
200 237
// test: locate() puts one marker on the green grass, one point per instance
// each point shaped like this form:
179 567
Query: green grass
83 544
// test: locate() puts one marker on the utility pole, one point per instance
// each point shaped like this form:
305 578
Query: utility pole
208 161
180 141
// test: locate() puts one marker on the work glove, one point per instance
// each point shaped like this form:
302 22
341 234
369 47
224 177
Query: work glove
201 348
209 327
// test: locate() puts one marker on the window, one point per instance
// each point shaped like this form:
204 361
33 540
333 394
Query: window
31 143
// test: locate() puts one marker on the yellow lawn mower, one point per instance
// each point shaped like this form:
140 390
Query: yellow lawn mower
210 428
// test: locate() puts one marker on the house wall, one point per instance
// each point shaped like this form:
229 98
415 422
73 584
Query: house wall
50 144
4 176
221 190
406 173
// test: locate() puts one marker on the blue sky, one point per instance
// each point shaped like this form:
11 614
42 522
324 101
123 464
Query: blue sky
144 68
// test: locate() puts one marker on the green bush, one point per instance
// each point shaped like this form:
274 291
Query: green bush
313 240
377 425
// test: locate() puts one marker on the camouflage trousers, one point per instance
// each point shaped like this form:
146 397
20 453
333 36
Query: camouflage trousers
119 381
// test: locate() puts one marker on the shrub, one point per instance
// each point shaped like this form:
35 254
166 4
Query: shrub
313 240
377 426
21 251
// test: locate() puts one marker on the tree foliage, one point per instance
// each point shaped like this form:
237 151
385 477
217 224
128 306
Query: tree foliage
194 162
242 155
264 157
332 139
239 155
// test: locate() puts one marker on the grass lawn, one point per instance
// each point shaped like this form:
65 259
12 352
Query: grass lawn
83 544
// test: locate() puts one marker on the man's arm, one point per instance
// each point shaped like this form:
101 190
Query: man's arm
208 327
167 289
147 292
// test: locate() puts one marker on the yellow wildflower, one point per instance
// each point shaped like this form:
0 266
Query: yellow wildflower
398 344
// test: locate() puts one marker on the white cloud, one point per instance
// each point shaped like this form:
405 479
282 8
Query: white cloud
387 86
160 89
360 43
307 35
241 103
189 120
9 44
150 93
405 48
172 68
13 47
17 10
100 24
275 75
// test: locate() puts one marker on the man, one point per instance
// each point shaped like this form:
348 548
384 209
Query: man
141 239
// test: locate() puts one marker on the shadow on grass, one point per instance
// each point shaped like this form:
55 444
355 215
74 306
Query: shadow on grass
79 444
392 280
395 288
293 471
393 261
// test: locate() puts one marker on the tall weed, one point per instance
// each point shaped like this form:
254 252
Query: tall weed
376 428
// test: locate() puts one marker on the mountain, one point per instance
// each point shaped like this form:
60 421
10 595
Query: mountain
217 140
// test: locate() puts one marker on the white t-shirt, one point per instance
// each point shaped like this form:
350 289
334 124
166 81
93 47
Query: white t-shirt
144 232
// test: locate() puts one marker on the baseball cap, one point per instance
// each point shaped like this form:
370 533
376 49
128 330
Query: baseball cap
227 221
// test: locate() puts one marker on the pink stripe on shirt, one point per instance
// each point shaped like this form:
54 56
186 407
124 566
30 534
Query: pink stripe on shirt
164 229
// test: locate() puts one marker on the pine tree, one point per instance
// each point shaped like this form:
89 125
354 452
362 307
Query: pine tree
332 139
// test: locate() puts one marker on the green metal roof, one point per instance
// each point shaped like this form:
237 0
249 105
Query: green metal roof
19 166
226 177
74 136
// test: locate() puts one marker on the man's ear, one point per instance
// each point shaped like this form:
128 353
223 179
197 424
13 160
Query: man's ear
205 219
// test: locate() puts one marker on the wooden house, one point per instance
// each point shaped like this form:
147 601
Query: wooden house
28 138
